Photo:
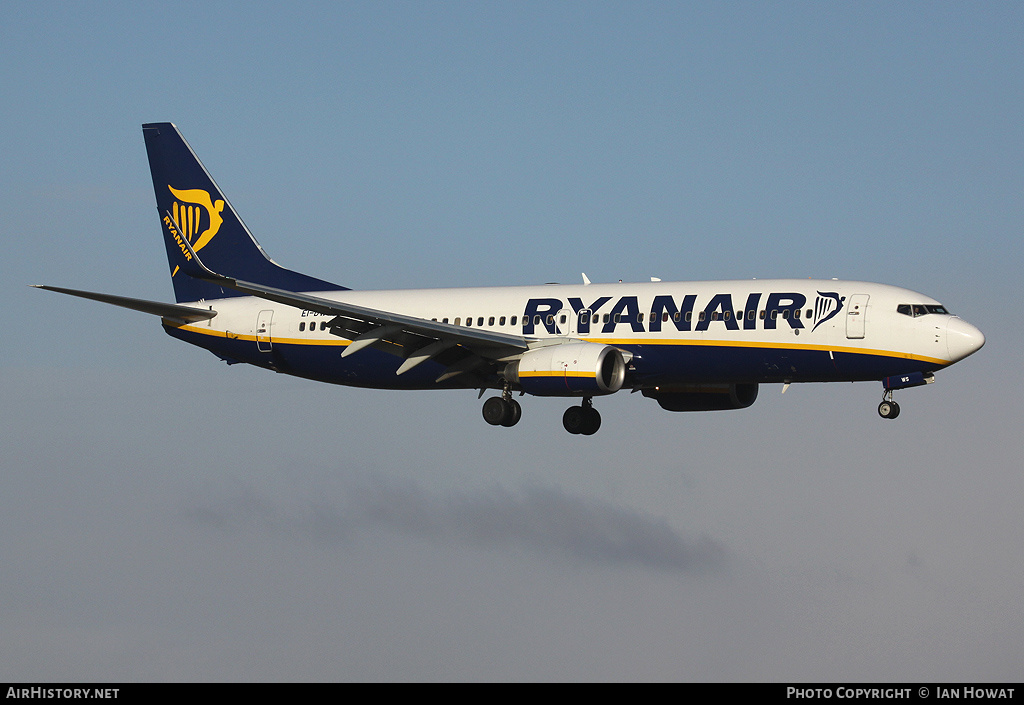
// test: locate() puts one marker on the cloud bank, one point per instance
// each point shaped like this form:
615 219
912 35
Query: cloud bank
542 520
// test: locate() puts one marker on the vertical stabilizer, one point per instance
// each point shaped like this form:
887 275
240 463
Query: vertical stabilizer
191 206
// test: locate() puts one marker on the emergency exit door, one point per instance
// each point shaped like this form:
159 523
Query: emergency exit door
263 321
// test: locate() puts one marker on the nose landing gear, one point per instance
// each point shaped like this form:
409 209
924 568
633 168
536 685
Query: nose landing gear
888 409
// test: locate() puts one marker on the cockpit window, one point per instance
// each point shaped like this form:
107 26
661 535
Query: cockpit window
915 310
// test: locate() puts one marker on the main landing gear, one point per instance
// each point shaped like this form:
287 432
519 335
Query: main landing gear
888 409
503 410
582 419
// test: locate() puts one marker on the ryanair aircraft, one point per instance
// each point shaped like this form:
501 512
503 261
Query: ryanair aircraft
690 346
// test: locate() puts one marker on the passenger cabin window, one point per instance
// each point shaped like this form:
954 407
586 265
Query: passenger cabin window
513 321
302 327
501 321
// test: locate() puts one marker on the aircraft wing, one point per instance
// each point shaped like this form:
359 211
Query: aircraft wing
459 348
186 314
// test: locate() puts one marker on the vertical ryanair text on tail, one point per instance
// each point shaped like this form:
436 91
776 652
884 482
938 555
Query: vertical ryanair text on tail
690 346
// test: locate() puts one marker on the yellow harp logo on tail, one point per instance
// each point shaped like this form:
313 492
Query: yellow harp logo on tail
197 216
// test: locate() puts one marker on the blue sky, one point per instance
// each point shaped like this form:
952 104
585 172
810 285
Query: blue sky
166 517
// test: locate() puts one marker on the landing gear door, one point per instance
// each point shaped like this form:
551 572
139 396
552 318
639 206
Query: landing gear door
856 312
263 321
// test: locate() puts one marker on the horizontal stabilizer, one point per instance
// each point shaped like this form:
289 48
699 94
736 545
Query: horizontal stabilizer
188 314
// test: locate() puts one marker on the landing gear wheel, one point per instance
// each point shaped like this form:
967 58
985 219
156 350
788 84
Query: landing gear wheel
574 419
497 411
583 420
888 409
515 413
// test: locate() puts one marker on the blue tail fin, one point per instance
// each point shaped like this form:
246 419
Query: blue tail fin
191 205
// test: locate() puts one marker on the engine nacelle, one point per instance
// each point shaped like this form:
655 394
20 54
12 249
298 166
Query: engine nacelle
704 397
569 369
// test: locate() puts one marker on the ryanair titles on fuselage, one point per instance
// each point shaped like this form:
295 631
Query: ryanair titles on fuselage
759 310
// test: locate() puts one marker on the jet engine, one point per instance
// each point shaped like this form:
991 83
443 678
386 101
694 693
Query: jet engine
704 397
569 369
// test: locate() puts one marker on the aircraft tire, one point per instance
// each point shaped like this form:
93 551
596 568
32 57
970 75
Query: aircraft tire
496 411
515 412
574 419
888 409
592 422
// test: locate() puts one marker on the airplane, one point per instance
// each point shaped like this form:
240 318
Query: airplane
689 346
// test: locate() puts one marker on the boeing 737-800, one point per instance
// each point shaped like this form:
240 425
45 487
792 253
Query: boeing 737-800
690 346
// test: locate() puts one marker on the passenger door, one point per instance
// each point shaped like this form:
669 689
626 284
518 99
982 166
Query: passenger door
856 313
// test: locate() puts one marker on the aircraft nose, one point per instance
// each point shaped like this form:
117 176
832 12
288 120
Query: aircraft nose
962 339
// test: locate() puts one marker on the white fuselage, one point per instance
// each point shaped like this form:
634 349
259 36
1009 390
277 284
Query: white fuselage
767 330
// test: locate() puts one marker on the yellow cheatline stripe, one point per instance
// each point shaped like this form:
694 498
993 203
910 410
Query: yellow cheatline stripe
678 342
556 373
214 333
768 346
